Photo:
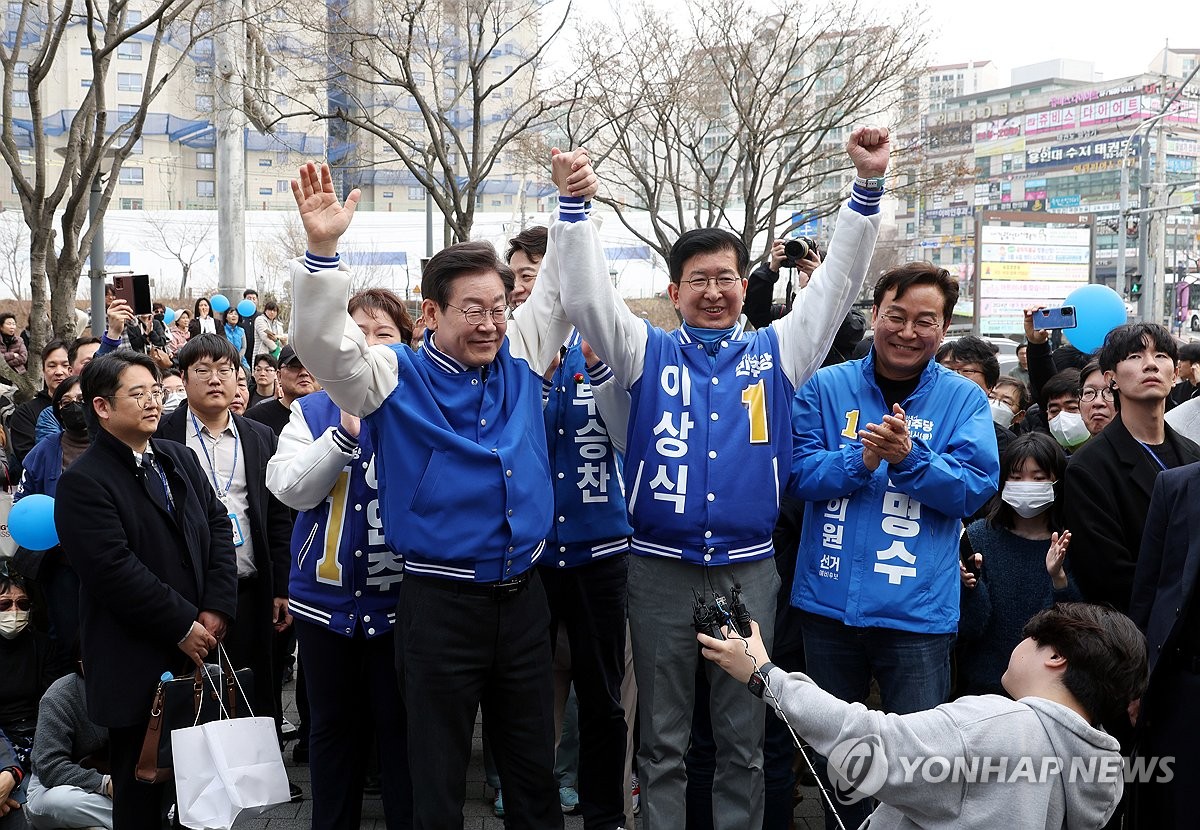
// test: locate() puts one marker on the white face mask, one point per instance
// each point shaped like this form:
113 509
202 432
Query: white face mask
1069 430
13 623
1028 498
1001 413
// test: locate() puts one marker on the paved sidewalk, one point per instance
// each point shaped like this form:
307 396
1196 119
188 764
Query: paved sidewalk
478 810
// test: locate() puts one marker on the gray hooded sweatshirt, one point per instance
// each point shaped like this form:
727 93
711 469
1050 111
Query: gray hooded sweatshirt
960 765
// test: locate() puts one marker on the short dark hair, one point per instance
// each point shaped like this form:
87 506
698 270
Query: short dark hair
248 292
63 388
1048 455
706 241
973 349
270 305
269 359
531 242
382 301
1024 396
1061 383
1188 351
1105 654
905 276
5 316
77 344
211 346
507 276
449 264
52 347
1022 346
171 373
1134 337
101 378
1092 365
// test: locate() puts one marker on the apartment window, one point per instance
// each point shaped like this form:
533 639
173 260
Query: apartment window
266 191
132 18
264 162
205 161
85 51
21 69
206 190
416 194
85 83
131 175
129 81
204 74
130 50
126 112
282 186
131 204
204 103
20 99
281 157
137 148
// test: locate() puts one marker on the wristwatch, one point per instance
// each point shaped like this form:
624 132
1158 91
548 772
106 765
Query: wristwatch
757 684
874 184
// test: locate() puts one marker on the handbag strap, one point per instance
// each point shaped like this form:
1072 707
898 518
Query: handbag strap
226 666
147 765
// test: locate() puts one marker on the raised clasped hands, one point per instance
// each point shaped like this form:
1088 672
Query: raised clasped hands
572 173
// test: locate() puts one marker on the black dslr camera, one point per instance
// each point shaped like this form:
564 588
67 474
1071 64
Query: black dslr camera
796 250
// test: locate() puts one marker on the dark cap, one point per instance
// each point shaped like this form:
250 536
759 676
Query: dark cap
288 355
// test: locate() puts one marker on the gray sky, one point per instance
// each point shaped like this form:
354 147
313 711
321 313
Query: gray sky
1120 38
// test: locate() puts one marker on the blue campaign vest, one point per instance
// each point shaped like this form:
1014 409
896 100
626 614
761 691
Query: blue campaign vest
343 574
463 471
710 446
878 557
589 500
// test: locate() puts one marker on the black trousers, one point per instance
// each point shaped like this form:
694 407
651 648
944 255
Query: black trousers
248 641
590 603
136 806
1170 729
354 699
456 650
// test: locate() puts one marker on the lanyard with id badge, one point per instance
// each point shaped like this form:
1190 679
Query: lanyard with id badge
223 495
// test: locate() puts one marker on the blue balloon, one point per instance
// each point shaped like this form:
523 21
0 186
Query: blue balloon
246 308
1098 310
168 316
31 523
219 304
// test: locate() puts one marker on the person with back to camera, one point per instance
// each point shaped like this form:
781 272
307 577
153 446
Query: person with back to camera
1075 672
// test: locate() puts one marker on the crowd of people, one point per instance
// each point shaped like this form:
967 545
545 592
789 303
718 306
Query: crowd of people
523 501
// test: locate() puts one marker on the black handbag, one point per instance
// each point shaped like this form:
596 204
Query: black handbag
190 700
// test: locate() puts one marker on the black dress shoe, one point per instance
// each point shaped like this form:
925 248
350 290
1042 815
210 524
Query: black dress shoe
297 793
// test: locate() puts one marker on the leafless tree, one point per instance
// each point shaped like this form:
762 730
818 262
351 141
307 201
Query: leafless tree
732 116
14 259
90 139
443 91
271 257
186 242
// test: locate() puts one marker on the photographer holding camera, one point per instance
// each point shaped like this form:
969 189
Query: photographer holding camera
800 254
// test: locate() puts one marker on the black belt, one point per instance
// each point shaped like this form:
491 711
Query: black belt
492 590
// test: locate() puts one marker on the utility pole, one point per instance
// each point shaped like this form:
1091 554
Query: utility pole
1159 277
229 45
1145 302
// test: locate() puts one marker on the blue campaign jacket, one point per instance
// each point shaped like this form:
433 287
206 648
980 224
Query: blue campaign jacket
343 574
709 447
461 453
590 521
881 548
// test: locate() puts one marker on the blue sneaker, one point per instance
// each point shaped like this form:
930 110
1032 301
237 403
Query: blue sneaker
498 805
568 799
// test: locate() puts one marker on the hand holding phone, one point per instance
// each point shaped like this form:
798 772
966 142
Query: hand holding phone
1048 319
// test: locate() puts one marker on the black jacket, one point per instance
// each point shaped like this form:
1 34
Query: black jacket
145 575
22 430
270 533
1106 492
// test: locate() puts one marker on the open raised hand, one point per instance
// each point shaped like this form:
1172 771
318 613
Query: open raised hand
325 218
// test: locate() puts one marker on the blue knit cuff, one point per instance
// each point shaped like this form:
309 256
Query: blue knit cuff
572 209
865 201
316 263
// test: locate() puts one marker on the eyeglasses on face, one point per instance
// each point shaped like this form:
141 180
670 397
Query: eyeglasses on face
22 604
922 326
153 396
1089 393
724 283
206 372
475 315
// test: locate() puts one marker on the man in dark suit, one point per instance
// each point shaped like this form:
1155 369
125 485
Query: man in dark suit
1109 480
152 547
233 454
1164 607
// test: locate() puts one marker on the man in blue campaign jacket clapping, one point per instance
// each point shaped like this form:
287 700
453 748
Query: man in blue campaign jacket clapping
464 491
890 452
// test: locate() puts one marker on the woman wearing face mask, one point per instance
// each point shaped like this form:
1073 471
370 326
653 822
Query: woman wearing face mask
43 466
28 665
1014 562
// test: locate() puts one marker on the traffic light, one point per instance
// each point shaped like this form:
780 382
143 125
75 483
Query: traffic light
1135 288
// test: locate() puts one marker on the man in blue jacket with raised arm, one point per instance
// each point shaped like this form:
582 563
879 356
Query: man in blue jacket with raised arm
464 491
890 452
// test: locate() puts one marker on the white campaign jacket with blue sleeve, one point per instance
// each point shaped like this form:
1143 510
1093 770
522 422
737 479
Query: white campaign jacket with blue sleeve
881 548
